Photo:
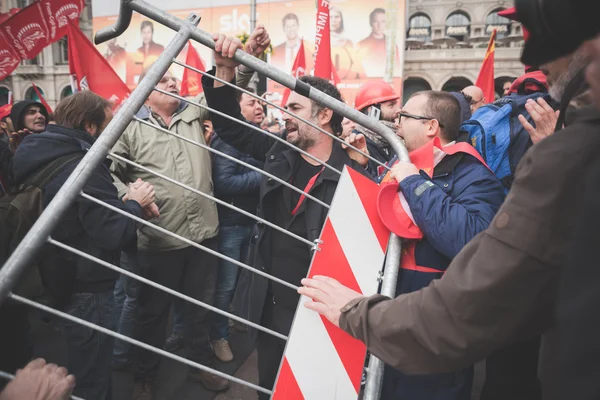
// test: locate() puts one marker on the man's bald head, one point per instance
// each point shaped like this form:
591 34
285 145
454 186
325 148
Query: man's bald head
476 95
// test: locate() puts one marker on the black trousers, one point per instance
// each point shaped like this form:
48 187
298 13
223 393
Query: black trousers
512 372
190 271
270 348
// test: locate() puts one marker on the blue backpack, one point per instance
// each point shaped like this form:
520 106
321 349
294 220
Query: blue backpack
497 134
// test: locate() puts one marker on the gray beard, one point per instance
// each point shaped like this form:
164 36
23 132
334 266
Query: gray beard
559 87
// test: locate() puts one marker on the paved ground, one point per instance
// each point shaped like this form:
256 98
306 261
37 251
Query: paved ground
171 384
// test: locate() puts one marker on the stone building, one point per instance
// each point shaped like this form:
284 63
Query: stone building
49 70
447 40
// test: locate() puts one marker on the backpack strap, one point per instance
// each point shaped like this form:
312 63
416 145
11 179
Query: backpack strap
45 174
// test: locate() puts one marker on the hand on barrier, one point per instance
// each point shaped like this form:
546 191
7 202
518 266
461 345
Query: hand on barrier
142 192
225 48
328 297
258 41
15 139
402 170
360 143
40 381
544 117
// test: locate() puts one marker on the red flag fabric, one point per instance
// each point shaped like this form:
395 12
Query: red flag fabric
90 70
323 64
28 31
9 58
58 13
485 80
42 99
10 13
191 84
298 70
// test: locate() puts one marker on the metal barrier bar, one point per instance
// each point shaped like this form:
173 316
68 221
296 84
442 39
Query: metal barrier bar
127 339
230 158
388 288
191 243
213 198
395 244
283 109
10 377
163 288
25 253
256 128
257 65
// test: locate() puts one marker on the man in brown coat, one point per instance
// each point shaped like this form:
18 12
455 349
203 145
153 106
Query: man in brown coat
502 286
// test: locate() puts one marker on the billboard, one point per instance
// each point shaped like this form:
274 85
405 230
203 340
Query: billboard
359 34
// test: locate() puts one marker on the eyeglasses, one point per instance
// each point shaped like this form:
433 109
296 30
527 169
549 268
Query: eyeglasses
418 117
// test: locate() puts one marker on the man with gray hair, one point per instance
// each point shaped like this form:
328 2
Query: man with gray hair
164 259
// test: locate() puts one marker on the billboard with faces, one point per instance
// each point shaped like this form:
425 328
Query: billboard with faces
360 33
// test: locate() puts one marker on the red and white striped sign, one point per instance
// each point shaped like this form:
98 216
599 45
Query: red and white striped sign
321 361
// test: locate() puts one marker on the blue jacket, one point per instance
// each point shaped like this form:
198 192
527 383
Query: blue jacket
465 197
235 184
86 226
462 202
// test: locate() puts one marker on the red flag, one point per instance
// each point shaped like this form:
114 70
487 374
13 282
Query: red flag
58 13
485 80
42 100
191 84
9 58
10 13
298 70
323 64
90 70
28 31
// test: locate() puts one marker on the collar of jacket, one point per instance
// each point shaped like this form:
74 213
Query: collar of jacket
576 95
448 163
145 112
74 133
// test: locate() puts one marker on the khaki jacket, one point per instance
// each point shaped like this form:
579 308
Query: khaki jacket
501 287
181 211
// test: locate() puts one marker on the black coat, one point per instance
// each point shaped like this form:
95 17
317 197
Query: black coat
279 160
86 226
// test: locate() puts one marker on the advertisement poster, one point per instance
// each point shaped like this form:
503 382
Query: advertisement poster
359 31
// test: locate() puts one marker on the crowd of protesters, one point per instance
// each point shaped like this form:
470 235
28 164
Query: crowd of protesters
477 282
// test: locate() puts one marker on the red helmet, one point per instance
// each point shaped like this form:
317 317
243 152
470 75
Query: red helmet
374 92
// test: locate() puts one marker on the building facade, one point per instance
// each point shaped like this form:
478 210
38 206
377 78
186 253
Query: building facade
447 41
49 70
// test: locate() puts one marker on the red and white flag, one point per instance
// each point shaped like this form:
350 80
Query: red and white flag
91 71
10 13
41 97
191 84
323 64
58 13
9 58
28 31
298 70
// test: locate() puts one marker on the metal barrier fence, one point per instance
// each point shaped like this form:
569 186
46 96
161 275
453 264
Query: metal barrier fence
39 235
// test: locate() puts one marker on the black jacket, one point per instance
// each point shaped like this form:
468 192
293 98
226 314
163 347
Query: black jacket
87 226
279 160
234 184
5 167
